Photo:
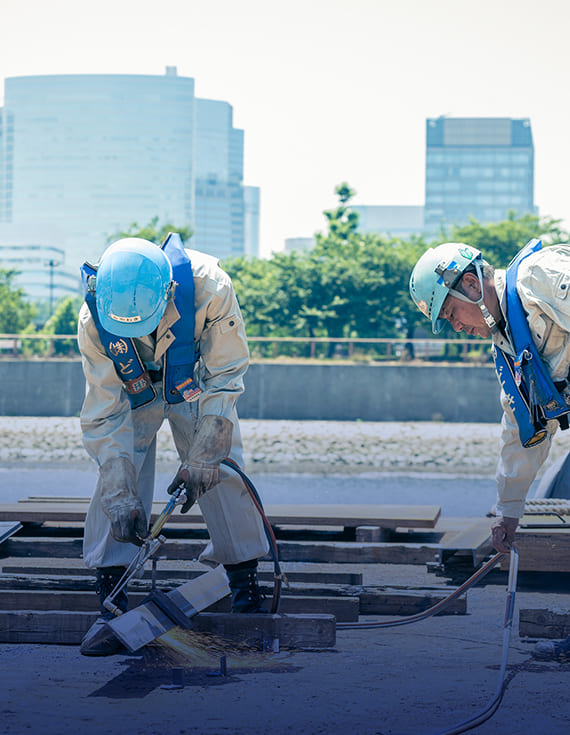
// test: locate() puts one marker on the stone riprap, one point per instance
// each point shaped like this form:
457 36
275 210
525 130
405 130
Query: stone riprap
324 447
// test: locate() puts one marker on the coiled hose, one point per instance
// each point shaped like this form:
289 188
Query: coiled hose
493 704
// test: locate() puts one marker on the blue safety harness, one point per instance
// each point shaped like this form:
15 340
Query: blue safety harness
532 394
179 359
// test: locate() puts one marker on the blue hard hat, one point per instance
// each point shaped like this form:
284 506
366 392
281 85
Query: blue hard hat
132 287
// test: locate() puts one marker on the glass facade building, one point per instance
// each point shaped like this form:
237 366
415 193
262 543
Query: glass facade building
477 167
220 205
93 154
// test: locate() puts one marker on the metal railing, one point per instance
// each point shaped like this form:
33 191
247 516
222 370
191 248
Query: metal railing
364 349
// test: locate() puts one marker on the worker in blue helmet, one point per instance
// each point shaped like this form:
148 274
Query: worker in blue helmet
161 336
134 284
525 310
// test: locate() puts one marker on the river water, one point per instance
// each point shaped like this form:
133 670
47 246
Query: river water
456 495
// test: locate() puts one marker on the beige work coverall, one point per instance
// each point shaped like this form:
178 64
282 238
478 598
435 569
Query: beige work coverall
543 283
112 429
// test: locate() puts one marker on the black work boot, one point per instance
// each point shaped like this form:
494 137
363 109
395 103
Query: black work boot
99 639
246 595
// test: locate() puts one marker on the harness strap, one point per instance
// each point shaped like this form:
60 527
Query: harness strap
533 396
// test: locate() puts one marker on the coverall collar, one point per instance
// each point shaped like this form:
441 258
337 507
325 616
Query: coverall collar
164 335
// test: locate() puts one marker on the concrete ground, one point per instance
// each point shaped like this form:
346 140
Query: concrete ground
409 680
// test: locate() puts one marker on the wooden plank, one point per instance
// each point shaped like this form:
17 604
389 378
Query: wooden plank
357 553
386 516
53 627
343 609
65 628
541 550
63 600
55 499
164 572
474 541
67 592
54 582
8 528
68 548
289 551
544 623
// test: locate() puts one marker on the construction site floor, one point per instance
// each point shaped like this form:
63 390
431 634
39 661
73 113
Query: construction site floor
410 680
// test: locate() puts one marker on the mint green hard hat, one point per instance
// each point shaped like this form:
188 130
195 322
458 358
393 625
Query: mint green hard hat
434 276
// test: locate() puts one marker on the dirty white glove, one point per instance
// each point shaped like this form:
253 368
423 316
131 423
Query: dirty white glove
201 470
120 502
503 531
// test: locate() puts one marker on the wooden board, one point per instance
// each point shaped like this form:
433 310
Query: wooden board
166 571
473 540
351 516
344 609
65 628
289 551
544 623
541 550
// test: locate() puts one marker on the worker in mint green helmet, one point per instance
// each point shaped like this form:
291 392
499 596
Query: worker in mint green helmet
525 310
436 276
161 337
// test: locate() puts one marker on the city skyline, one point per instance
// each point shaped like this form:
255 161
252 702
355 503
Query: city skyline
87 154
326 91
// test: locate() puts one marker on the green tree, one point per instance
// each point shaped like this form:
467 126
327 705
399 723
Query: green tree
348 285
15 312
499 242
64 321
366 274
151 231
342 221
255 283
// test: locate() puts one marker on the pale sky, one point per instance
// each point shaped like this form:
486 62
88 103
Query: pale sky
326 90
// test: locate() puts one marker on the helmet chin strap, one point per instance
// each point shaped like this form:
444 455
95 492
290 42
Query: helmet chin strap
487 316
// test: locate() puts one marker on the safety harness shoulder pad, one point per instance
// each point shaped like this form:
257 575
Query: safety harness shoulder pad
533 396
179 359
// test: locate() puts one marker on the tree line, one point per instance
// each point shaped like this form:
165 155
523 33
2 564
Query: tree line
350 284
353 284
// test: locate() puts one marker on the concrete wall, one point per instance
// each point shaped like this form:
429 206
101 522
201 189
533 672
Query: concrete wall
293 391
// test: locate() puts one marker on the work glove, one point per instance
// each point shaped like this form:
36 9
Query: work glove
201 470
503 531
120 502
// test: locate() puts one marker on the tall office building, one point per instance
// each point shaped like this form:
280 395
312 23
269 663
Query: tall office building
251 235
477 167
93 154
220 206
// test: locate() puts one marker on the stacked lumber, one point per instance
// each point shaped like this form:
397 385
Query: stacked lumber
49 597
543 536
